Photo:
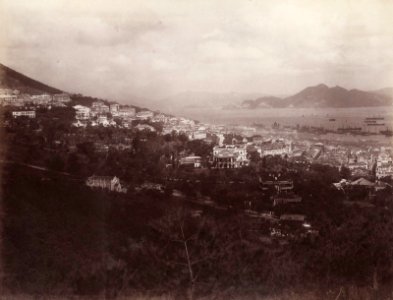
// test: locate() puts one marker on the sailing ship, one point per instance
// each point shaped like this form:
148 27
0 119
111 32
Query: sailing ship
387 132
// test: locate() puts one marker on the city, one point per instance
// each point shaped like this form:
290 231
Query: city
285 189
197 150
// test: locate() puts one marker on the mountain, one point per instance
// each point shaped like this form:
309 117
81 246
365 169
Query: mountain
11 79
388 91
267 101
190 100
321 95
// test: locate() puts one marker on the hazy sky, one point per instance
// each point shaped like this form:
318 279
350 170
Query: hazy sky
154 49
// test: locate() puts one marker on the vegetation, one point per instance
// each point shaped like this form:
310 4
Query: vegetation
62 238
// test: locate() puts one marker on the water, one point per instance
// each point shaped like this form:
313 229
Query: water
344 117
293 116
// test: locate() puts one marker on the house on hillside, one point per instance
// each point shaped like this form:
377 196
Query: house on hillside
145 127
99 107
25 113
145 115
230 156
286 199
43 99
61 98
194 161
82 112
106 183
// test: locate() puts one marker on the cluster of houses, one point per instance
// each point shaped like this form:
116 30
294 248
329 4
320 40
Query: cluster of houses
114 114
237 155
282 217
24 105
9 97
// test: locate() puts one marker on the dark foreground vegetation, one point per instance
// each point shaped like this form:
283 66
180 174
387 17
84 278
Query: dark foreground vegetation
60 238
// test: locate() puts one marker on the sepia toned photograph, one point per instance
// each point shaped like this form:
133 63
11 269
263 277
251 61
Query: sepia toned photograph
196 149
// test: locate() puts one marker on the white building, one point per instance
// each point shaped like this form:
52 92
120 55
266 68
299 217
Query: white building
26 113
61 98
7 99
114 108
142 127
197 135
275 148
126 112
43 99
103 120
145 115
230 156
105 182
194 161
99 107
82 112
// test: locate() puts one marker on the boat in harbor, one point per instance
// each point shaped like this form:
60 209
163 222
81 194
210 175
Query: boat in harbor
374 118
349 129
387 132
375 124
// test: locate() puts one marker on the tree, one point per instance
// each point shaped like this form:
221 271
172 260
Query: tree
189 245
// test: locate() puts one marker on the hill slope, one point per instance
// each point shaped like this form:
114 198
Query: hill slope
11 79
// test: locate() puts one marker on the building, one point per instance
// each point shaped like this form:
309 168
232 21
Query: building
43 99
114 108
78 123
7 99
194 161
61 98
230 156
103 120
160 118
82 112
106 183
275 148
292 218
99 107
26 113
142 127
384 170
281 186
197 135
286 199
126 112
145 115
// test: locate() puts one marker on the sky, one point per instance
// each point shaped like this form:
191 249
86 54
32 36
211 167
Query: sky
122 50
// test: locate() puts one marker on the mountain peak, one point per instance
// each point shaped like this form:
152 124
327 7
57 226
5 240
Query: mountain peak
322 86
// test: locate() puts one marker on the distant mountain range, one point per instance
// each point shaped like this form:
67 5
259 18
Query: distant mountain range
321 96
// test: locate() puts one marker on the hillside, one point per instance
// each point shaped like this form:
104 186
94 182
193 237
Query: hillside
11 79
388 91
323 96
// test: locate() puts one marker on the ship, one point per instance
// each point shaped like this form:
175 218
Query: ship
375 124
349 129
387 132
332 120
374 118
